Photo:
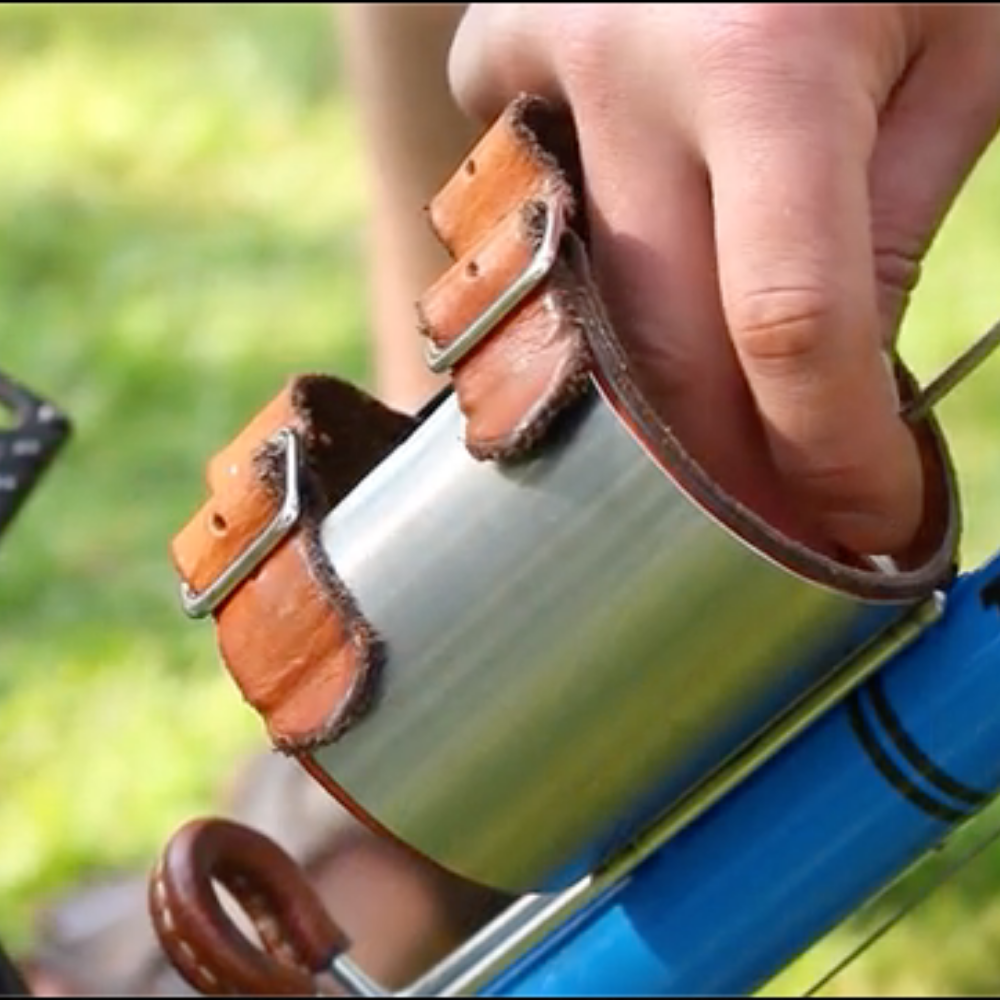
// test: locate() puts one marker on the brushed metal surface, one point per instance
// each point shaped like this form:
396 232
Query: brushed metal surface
571 645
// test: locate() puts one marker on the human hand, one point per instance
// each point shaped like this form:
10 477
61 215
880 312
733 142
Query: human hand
763 181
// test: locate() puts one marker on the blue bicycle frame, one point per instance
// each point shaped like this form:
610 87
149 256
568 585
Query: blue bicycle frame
830 820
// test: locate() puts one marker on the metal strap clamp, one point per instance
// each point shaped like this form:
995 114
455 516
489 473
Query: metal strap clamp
440 359
202 603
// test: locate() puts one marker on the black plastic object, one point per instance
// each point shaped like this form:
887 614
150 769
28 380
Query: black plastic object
28 446
12 984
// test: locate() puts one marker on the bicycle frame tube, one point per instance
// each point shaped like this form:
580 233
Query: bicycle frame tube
832 819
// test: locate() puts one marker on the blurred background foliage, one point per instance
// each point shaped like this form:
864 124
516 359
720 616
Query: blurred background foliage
182 226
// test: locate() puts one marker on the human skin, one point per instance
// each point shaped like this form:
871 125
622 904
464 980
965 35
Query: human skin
763 181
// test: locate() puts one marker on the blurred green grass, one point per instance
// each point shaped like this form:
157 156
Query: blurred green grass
181 226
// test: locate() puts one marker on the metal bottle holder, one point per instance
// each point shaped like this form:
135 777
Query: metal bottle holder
587 649
572 644
583 658
601 619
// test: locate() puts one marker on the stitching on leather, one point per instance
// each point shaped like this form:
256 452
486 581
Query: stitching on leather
168 933
268 924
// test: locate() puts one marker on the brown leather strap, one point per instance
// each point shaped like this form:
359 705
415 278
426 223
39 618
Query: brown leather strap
295 643
491 216
204 944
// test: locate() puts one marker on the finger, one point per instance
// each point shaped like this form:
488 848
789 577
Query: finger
654 258
931 134
653 247
792 221
498 52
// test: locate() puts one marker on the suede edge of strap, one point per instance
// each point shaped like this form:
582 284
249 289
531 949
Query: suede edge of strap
290 634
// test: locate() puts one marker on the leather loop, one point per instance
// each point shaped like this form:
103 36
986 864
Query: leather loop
206 947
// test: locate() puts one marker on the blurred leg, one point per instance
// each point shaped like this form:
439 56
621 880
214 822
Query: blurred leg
401 914
413 137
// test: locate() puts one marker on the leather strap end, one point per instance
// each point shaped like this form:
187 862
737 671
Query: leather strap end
491 216
529 153
290 634
241 501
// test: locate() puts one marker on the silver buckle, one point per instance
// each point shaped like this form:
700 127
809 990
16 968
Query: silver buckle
198 605
440 359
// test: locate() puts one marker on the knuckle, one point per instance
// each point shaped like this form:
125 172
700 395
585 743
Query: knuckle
896 276
733 36
861 502
848 483
898 268
511 22
793 326
856 466
778 56
585 36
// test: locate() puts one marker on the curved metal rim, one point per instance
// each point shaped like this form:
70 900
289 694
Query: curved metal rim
875 585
